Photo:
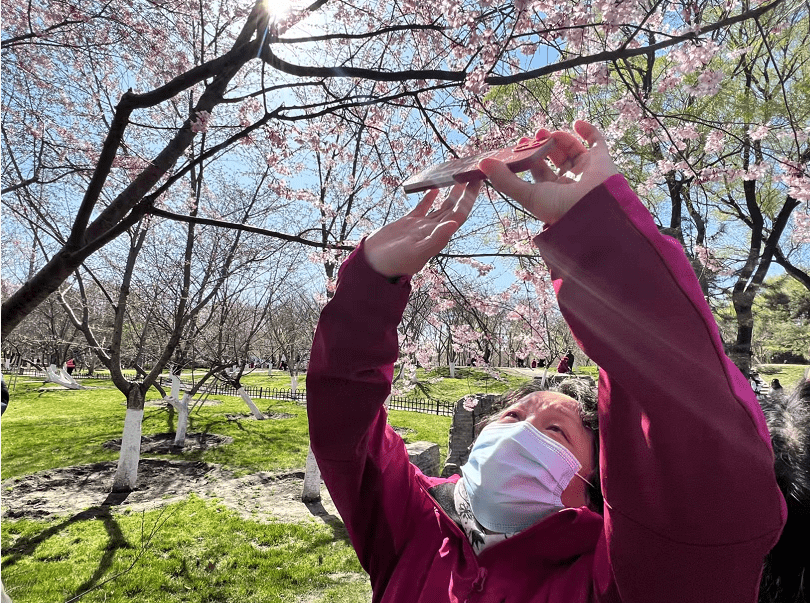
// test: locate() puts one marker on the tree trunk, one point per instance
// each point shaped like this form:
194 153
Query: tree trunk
182 407
249 401
61 377
126 476
312 480
740 352
293 383
452 366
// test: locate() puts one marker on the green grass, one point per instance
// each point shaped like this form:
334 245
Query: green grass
199 551
467 381
788 374
203 552
59 428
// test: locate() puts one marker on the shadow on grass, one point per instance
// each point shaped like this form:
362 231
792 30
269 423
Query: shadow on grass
339 531
117 541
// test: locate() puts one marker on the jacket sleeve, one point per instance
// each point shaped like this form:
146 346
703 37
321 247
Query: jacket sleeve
691 500
363 462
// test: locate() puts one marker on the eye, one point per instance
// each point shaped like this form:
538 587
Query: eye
558 429
512 414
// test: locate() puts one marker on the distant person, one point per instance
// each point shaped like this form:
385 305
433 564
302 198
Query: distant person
570 357
562 366
70 365
534 364
776 387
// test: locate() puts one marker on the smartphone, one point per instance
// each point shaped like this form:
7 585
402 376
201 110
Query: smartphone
518 158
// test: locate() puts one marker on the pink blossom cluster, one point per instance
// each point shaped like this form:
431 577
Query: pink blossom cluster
482 268
516 237
707 259
595 74
708 83
475 84
801 227
759 132
692 57
200 123
714 141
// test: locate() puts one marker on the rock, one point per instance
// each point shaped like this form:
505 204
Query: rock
425 455
464 429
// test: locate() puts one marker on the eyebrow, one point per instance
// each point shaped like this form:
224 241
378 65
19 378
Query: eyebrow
568 413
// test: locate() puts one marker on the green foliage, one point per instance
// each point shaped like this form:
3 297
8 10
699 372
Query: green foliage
190 551
782 320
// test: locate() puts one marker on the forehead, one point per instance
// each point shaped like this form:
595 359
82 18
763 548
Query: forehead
540 401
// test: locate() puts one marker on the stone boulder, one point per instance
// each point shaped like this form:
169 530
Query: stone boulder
464 429
425 455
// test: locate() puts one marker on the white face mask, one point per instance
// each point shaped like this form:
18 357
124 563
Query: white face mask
515 476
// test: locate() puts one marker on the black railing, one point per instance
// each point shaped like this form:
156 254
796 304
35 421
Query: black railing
423 405
218 388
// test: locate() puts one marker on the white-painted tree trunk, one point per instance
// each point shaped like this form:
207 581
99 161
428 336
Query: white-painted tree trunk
312 480
182 408
126 476
249 401
293 383
61 377
452 366
269 369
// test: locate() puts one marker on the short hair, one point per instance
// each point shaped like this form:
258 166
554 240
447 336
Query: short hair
786 574
584 393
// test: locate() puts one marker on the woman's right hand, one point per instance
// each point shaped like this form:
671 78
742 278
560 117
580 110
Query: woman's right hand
551 195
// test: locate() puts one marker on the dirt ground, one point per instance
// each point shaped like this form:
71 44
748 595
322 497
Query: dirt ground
262 496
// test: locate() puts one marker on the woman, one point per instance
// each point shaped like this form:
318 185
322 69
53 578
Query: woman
691 504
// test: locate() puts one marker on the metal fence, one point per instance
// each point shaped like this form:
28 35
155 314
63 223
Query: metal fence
218 388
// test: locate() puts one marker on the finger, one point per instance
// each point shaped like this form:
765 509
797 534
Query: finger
567 149
425 204
542 134
542 172
433 243
450 200
590 134
505 181
465 204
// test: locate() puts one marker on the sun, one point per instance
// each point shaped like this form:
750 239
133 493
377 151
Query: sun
278 8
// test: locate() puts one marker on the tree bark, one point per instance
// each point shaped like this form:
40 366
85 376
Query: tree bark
259 415
312 480
126 476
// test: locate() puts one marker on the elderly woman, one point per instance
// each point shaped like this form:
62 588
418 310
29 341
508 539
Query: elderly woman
682 456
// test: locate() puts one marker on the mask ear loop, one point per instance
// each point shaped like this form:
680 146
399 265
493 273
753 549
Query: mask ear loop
584 480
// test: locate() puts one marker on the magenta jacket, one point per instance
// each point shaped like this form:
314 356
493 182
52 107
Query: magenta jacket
691 501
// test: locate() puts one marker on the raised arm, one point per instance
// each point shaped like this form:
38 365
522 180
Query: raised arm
363 462
691 502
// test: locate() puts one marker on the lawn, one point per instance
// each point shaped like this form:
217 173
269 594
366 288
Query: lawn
788 374
195 550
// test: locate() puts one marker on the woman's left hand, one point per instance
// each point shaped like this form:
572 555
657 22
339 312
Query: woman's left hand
402 248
